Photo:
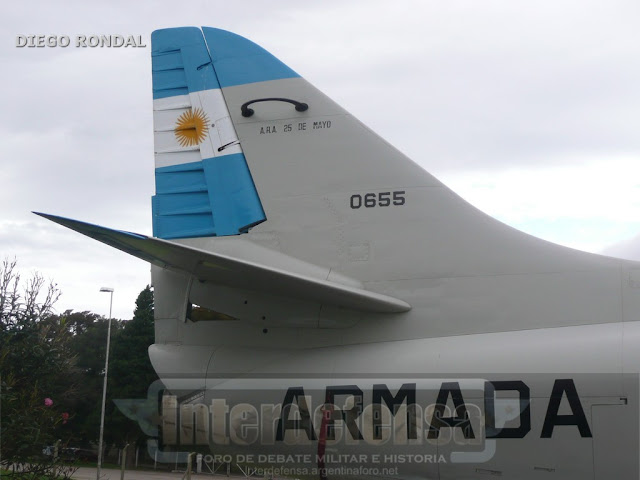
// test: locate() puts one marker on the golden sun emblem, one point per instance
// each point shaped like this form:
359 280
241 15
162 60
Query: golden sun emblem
191 128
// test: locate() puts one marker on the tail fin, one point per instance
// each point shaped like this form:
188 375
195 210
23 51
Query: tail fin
323 220
241 138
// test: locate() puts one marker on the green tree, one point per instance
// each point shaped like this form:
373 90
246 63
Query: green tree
36 373
130 371
89 348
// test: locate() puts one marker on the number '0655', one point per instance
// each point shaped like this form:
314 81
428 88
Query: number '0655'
381 199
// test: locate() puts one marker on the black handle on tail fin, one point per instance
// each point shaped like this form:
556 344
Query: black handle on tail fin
247 112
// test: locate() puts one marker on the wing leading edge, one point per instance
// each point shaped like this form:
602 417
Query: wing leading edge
234 272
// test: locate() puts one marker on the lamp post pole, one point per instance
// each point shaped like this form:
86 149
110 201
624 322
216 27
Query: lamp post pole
104 385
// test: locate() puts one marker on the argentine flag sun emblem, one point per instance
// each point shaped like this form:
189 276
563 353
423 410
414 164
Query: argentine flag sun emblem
192 127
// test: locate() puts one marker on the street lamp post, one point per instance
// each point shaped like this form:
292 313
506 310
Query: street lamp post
104 385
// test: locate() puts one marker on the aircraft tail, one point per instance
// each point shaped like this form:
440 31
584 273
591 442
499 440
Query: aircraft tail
244 145
249 154
275 206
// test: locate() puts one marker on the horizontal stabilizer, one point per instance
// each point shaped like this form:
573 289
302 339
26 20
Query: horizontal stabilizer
235 272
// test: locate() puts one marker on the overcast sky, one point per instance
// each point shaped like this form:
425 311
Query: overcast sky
529 110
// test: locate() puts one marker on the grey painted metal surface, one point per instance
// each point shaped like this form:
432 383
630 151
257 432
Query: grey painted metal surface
369 271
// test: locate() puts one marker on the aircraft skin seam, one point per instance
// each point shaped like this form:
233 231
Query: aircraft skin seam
479 275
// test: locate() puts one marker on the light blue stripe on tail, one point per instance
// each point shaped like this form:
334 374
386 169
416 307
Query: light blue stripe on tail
214 197
180 62
238 61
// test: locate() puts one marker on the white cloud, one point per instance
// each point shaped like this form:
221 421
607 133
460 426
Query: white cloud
586 205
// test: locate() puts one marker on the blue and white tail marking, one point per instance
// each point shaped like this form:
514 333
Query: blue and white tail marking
203 184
